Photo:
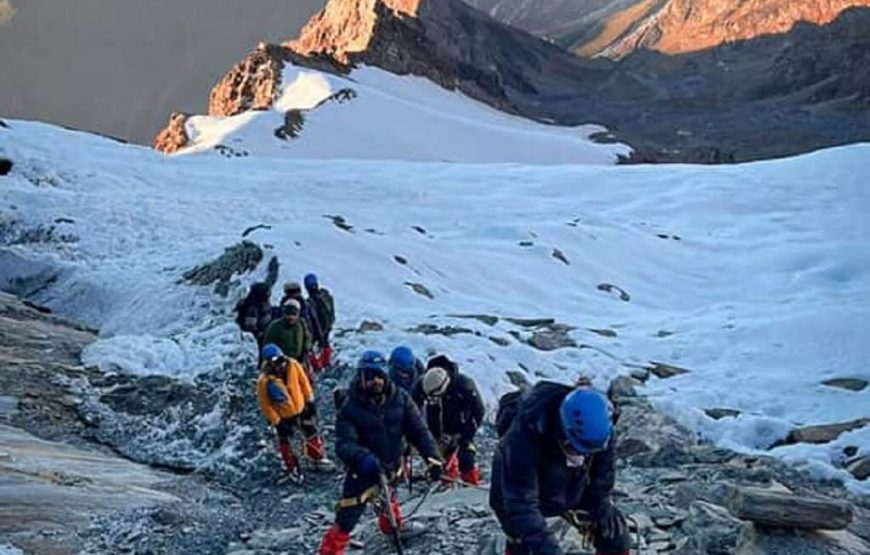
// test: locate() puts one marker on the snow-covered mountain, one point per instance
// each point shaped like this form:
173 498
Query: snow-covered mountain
373 114
754 278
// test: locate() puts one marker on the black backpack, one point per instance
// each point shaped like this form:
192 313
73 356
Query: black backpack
508 407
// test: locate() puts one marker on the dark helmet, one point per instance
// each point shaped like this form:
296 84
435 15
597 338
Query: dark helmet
585 416
372 361
402 358
310 282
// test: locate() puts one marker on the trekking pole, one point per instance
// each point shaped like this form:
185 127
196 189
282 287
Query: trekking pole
385 493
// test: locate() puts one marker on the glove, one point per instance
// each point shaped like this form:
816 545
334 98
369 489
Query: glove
434 469
608 521
368 466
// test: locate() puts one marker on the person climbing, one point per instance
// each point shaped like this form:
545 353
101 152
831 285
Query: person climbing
405 368
290 334
292 290
254 313
287 401
556 458
322 301
453 410
371 424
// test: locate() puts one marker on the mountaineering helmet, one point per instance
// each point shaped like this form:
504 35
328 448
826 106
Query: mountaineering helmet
310 281
435 382
585 416
271 352
402 358
370 363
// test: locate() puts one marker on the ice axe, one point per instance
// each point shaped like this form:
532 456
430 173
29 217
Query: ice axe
387 506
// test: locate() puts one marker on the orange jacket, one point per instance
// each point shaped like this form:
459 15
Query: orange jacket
280 399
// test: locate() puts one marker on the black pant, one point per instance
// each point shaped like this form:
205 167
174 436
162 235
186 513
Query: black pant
354 486
618 545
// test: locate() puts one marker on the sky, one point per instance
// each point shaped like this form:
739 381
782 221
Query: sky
120 67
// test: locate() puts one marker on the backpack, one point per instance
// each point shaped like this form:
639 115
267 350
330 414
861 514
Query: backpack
508 407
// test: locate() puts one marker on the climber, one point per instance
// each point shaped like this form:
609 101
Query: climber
287 402
453 410
370 427
405 368
324 306
556 458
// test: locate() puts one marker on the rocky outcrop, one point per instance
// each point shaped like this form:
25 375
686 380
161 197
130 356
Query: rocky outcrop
174 136
251 85
680 26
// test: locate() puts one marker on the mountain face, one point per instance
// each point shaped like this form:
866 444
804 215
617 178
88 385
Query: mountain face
770 96
616 28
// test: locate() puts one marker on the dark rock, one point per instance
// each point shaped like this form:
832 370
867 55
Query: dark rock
253 228
238 259
526 243
294 122
609 287
432 329
720 413
485 318
560 256
640 374
860 468
713 531
531 322
340 223
852 384
420 289
370 326
519 379
622 386
400 259
3 124
665 371
500 341
823 433
418 229
603 332
5 166
552 338
850 450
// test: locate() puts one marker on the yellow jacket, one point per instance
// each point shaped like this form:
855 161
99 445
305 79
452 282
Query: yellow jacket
280 399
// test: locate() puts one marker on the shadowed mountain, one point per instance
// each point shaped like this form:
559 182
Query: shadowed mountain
770 96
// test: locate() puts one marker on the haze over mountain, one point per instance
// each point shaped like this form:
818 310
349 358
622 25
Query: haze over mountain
119 67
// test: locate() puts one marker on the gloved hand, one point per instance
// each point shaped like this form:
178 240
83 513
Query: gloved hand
608 521
434 469
368 466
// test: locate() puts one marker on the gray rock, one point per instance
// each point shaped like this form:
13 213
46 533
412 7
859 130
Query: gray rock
420 289
860 468
852 384
552 338
623 386
367 326
823 433
720 413
238 259
665 371
712 531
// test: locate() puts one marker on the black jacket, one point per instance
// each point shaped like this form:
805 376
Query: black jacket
460 410
363 427
530 478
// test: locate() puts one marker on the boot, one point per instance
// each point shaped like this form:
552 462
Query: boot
472 477
315 450
325 357
451 471
334 541
290 462
384 520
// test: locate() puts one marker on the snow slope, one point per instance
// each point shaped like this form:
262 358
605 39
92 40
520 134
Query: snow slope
754 277
391 117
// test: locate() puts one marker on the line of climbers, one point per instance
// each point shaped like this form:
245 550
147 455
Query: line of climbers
555 456
299 326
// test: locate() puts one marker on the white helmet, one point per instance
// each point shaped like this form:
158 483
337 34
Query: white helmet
435 382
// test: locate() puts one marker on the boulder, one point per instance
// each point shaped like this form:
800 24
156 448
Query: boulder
823 433
712 531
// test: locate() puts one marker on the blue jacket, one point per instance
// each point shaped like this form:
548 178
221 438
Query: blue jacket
530 477
362 426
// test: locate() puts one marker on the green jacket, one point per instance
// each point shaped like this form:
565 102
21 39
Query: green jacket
294 340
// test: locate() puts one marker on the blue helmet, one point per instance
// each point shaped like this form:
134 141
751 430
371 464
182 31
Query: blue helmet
271 351
586 421
310 281
372 361
402 358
